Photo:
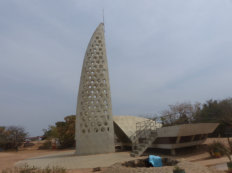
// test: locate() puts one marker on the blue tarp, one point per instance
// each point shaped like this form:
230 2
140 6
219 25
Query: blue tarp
155 161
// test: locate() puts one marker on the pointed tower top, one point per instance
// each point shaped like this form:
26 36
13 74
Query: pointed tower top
100 28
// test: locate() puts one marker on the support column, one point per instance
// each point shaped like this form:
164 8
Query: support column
173 152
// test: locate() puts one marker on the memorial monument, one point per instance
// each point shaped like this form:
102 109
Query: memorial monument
94 122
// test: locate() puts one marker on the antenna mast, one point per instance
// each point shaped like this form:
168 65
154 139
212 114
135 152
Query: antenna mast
103 18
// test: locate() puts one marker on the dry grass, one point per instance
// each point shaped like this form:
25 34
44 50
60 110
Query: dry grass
28 169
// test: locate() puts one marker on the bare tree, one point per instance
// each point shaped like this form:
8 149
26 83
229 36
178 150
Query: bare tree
182 113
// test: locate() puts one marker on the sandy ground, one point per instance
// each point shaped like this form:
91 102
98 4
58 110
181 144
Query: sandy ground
196 161
69 160
8 159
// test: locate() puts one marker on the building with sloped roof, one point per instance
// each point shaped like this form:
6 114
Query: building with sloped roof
141 133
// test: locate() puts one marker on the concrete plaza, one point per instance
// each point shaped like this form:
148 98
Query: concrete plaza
69 160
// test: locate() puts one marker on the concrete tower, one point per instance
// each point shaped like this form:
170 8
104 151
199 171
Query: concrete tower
94 123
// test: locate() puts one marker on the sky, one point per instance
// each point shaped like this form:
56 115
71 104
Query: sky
160 52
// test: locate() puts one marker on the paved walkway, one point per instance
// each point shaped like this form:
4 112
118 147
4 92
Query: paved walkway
70 161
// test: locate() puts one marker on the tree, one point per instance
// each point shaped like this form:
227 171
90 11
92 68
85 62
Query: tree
3 140
16 136
51 132
217 111
226 111
182 113
210 112
12 137
64 131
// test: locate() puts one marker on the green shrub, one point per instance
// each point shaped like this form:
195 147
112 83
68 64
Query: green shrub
217 149
46 145
177 169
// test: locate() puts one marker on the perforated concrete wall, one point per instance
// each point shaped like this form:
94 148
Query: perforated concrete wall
94 125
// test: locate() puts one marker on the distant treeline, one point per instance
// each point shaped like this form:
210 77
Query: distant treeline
213 111
218 111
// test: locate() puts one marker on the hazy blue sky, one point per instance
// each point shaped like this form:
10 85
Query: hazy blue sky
160 52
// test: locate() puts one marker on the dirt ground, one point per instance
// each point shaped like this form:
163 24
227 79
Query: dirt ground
9 158
187 166
198 160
